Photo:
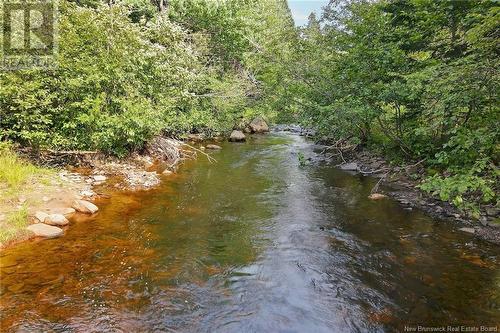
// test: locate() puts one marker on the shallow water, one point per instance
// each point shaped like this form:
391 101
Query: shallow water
253 243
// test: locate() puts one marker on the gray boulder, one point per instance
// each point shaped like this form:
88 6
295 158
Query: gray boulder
85 207
259 125
56 219
237 136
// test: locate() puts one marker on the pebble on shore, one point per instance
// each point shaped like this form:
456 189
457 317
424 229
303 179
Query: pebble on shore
85 207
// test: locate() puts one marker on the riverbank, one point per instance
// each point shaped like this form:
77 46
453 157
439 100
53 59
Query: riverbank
401 183
50 200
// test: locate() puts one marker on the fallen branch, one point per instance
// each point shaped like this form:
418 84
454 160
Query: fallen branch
373 171
69 152
419 162
375 188
341 155
210 158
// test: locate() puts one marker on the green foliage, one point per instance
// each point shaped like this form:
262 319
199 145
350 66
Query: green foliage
414 79
126 73
475 184
302 159
14 225
462 190
15 172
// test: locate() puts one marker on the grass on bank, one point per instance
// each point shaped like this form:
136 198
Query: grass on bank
14 224
17 178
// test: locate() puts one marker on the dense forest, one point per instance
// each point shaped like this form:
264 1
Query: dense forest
414 80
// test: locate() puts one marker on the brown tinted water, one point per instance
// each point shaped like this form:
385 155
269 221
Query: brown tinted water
254 243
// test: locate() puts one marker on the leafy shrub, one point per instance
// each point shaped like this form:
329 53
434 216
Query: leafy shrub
464 190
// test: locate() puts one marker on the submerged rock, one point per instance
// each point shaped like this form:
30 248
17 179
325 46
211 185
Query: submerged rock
213 147
56 219
469 230
377 196
259 125
142 179
85 207
167 172
237 136
44 230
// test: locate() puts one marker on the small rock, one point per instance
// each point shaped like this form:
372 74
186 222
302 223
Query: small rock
377 196
56 219
195 137
483 220
85 207
146 161
167 172
87 193
22 199
2 217
492 211
469 230
66 211
259 125
99 178
213 147
44 230
237 136
202 148
350 166
41 216
45 199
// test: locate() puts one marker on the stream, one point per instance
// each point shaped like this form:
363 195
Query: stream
252 243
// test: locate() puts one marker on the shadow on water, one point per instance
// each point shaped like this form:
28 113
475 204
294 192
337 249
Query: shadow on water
253 243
